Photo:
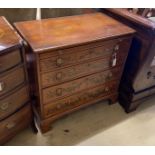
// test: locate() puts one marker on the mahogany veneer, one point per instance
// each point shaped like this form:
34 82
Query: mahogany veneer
74 61
15 108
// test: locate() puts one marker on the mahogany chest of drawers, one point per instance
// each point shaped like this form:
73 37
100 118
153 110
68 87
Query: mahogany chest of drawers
75 61
15 110
138 80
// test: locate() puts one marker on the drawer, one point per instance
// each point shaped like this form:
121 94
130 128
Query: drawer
75 86
15 123
11 103
75 56
76 71
81 98
10 60
11 80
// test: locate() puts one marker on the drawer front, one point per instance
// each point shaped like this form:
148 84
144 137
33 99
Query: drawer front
10 60
63 60
69 88
15 123
84 97
11 103
11 80
70 73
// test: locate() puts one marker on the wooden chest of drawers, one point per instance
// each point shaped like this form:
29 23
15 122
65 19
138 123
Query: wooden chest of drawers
139 73
75 61
14 91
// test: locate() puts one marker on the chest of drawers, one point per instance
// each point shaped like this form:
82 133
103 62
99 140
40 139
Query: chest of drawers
75 61
14 91
138 77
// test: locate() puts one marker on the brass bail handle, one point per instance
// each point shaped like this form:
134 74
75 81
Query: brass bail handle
10 125
2 86
59 61
4 106
59 76
59 91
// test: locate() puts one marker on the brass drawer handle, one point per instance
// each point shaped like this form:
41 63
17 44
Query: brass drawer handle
106 89
58 106
59 91
116 47
59 62
10 125
59 76
4 106
2 86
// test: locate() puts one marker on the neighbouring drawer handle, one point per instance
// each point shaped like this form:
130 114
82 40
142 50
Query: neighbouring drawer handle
10 125
106 89
4 106
59 62
59 76
2 86
59 91
116 47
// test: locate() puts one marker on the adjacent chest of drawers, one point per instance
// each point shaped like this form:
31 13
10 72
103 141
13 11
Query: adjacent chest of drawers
138 78
75 61
15 111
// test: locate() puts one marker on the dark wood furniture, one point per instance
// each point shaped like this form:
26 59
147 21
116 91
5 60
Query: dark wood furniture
15 109
75 61
138 81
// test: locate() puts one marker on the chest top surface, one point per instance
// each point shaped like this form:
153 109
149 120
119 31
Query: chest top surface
61 32
8 36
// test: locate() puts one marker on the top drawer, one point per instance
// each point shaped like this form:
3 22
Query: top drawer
9 60
68 57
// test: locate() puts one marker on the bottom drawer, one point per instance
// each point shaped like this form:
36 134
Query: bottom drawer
15 123
73 101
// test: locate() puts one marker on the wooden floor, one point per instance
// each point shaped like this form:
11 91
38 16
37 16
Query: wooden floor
99 124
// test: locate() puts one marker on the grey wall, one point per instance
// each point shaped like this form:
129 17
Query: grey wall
14 15
23 14
56 12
